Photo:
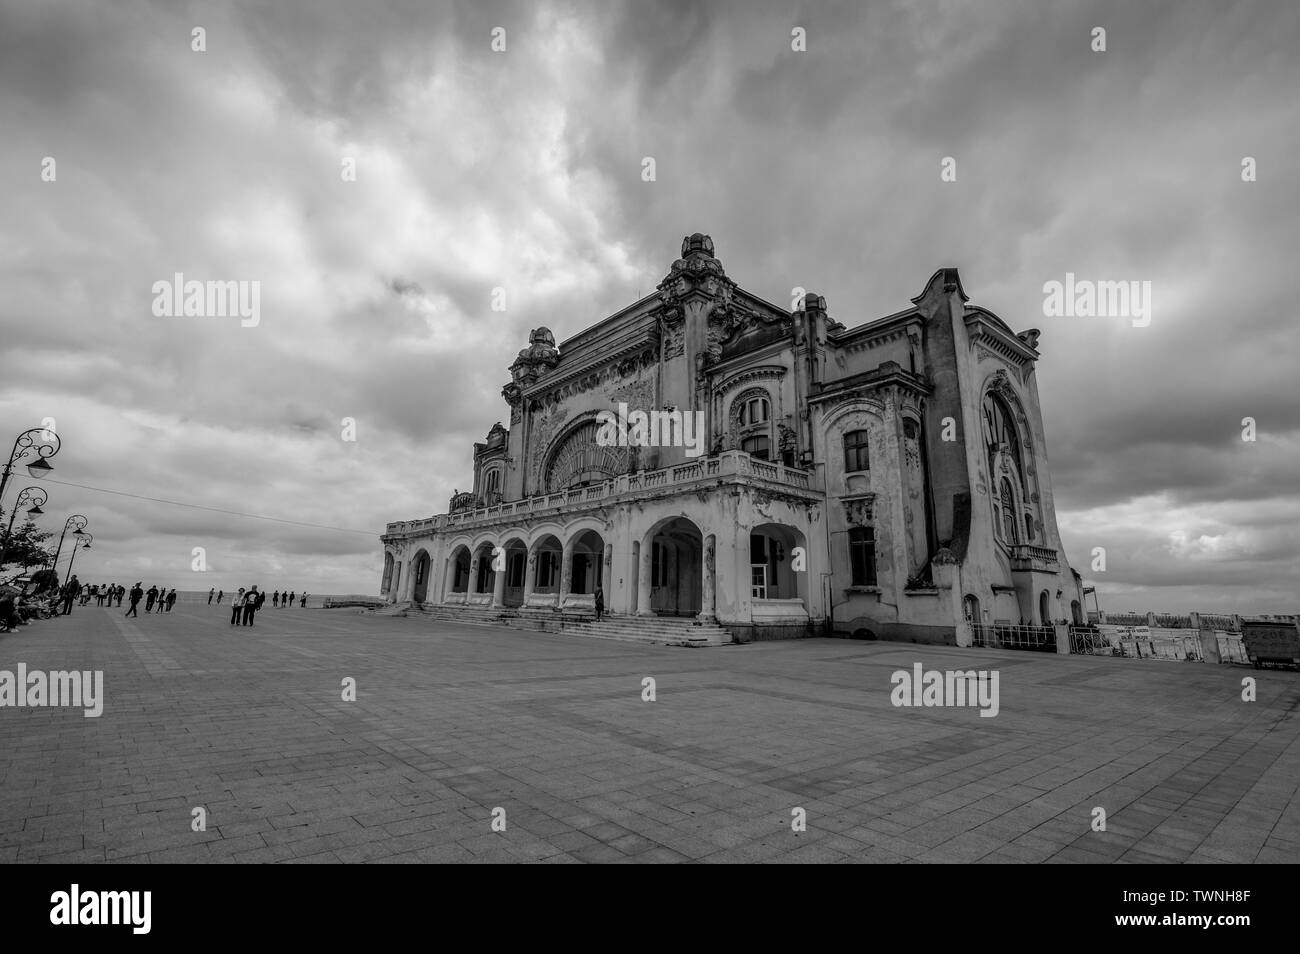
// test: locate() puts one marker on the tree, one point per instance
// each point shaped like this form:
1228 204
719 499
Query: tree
26 546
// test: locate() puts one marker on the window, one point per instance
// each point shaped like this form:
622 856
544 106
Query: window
758 582
493 483
515 575
1029 527
1008 514
760 446
1000 428
855 452
756 410
862 555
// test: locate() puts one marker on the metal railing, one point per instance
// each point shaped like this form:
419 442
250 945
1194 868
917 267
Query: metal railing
1088 641
1040 639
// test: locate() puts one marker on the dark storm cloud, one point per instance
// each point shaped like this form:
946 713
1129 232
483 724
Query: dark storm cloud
522 171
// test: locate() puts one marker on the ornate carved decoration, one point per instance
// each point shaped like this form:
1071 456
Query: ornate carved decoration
858 510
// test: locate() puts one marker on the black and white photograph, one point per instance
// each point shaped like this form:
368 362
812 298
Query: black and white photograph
663 432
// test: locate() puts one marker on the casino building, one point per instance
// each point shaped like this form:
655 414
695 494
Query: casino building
885 478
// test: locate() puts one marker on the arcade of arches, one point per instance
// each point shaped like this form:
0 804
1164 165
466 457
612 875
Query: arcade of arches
670 570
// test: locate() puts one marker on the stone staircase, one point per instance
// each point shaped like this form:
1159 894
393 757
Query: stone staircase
652 630
647 630
480 615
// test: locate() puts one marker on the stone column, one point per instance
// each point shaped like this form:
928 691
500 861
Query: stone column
566 573
530 574
643 581
499 587
472 586
707 588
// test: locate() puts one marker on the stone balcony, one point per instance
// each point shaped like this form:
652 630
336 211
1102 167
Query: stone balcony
1027 558
733 467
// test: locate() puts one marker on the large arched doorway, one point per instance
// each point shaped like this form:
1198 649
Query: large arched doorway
516 565
485 576
420 576
588 563
458 572
548 555
676 552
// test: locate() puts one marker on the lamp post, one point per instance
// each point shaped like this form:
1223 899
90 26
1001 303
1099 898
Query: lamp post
77 521
88 540
36 445
28 495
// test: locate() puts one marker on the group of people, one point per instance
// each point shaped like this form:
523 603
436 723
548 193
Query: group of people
164 599
278 599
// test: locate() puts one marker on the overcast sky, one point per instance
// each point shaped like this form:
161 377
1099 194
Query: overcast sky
522 170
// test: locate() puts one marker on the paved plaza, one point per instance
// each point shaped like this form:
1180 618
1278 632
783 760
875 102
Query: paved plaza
454 721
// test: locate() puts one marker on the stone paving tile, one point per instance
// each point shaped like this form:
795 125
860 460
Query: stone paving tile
452 722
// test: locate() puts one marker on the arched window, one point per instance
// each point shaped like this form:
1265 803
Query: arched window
1000 429
1029 527
856 457
1044 619
751 427
1008 513
579 459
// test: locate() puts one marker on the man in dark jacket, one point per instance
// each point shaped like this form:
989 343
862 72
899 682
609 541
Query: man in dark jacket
137 593
70 591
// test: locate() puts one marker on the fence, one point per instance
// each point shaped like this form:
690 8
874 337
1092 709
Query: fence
1041 639
1090 641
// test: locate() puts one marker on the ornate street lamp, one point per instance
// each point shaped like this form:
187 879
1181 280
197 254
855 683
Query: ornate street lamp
76 523
28 495
34 447
83 541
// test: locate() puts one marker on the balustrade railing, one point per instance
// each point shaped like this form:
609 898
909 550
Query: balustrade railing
729 463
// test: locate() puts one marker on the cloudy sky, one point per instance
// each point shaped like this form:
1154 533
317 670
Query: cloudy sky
522 169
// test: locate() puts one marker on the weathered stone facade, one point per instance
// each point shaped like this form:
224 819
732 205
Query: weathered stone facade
888 479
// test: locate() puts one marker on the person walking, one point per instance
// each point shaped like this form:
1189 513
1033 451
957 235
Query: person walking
151 595
600 603
291 595
220 593
303 604
252 603
136 593
171 599
211 593
70 591
237 607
